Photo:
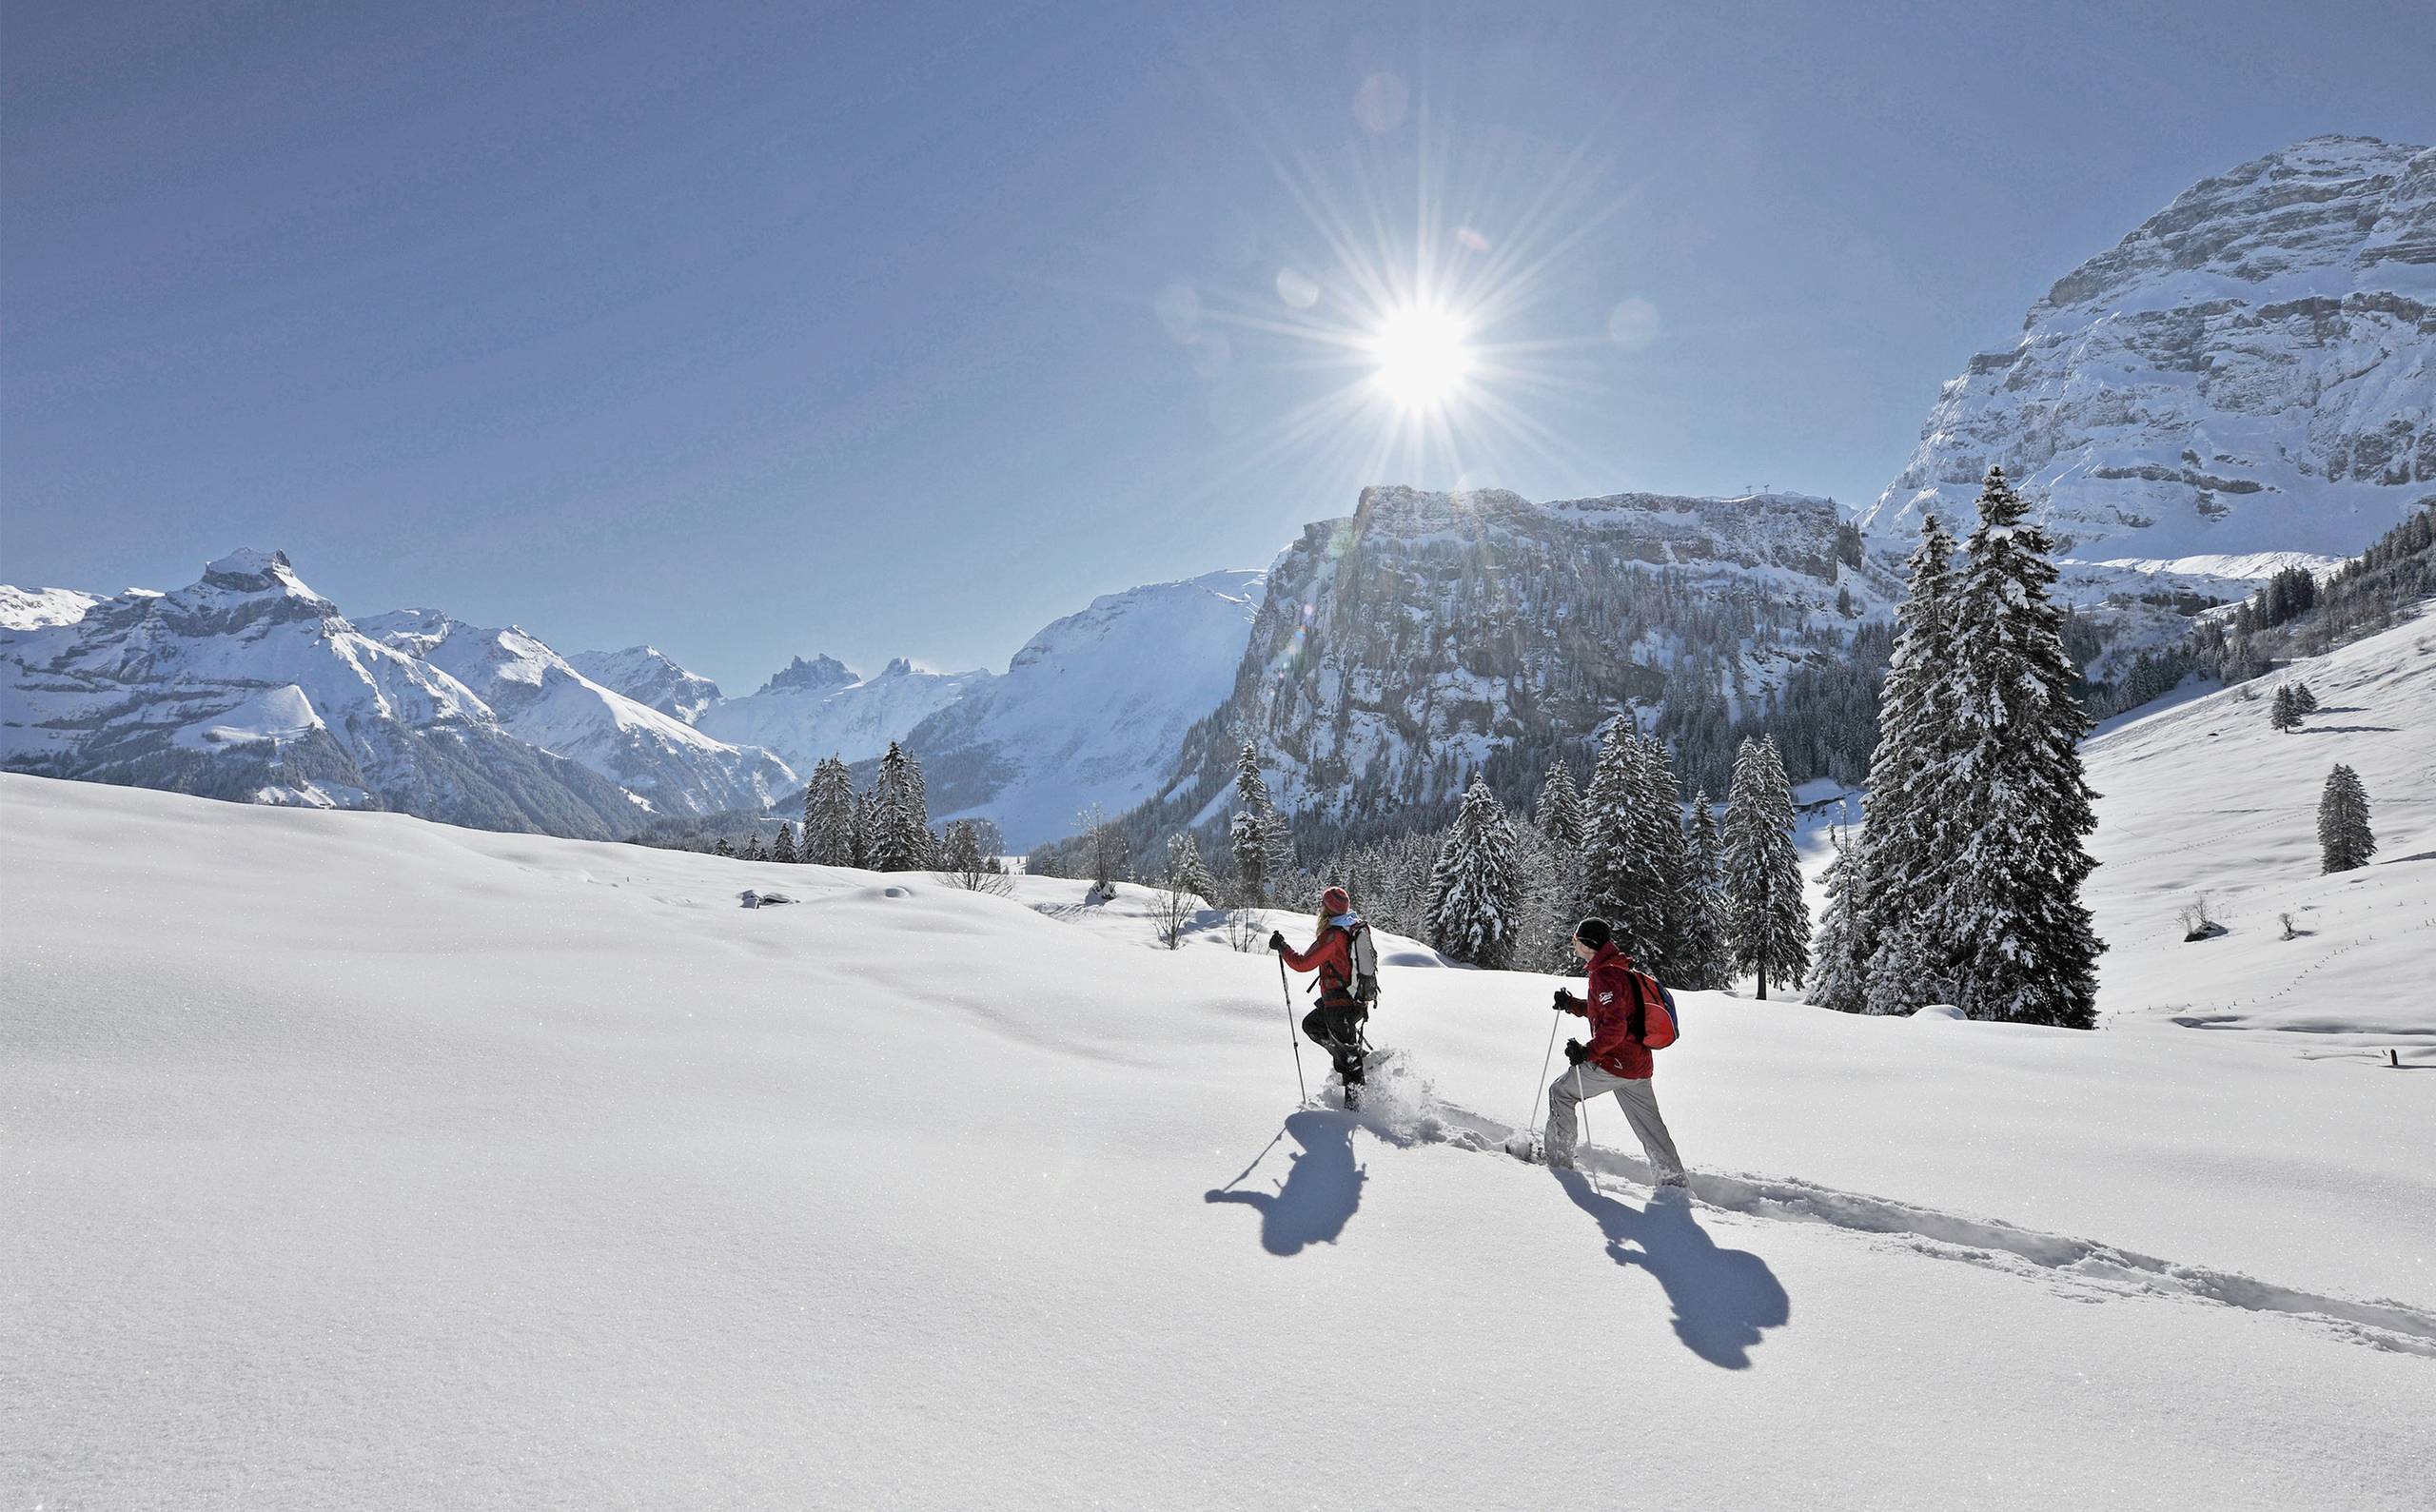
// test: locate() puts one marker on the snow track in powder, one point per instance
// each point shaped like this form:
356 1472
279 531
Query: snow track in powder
1400 1109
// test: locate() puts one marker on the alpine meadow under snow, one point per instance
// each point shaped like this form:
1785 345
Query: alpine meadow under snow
439 1070
899 1197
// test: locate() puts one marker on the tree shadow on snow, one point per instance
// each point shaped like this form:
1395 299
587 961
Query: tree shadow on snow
1723 1299
1323 1186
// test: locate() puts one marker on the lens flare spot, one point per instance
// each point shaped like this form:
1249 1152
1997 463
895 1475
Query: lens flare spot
1420 354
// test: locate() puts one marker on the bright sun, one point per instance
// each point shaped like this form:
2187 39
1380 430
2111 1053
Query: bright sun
1422 353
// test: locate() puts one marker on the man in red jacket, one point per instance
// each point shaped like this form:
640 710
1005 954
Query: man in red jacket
1613 1061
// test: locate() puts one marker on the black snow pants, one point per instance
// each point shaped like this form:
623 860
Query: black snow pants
1337 1028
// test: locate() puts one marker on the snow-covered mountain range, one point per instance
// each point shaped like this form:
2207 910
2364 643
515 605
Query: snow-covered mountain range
250 685
651 678
546 702
1093 708
2251 370
816 709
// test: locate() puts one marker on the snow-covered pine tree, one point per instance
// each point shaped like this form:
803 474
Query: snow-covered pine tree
2007 908
1478 883
1840 979
1620 880
721 847
958 850
782 849
1560 812
2304 701
828 816
1659 826
1255 835
753 851
901 837
2284 712
1707 966
1186 872
1767 922
868 806
1903 838
2343 821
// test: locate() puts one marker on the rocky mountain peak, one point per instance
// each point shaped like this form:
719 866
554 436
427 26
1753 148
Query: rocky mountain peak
820 674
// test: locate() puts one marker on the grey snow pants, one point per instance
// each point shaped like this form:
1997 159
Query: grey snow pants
1640 1100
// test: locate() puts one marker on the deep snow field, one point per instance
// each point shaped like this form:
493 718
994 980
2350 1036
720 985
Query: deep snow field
353 1160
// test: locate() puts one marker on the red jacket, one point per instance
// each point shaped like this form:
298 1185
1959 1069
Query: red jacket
1332 956
1614 1048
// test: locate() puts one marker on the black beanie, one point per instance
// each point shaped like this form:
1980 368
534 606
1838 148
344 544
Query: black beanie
1594 933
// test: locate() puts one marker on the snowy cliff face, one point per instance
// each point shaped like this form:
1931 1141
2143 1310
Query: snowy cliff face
1091 710
2252 370
546 702
248 685
818 709
1432 635
651 678
32 608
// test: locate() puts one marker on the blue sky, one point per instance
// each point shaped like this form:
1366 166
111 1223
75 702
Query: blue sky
757 330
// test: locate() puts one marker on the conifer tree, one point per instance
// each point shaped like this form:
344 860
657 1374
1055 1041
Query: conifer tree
1559 812
1256 833
782 849
1620 878
1477 886
1659 826
2304 701
868 804
1706 965
1767 922
1186 872
2343 821
2007 910
1905 837
721 847
753 851
901 841
957 852
1841 980
2284 713
828 816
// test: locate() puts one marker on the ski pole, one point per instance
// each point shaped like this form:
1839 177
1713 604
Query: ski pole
1291 1038
1540 1087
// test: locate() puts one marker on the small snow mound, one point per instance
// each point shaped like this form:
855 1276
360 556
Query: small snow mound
1940 1013
1411 958
895 891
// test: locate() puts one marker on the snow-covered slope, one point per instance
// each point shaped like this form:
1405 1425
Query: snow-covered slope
546 702
2253 369
2201 798
651 678
604 1191
32 608
1091 710
816 709
248 685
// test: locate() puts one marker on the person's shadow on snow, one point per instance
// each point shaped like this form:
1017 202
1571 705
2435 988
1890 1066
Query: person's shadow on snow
1322 1188
1724 1299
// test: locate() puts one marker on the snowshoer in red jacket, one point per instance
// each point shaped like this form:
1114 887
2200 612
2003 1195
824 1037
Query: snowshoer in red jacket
1336 1025
1613 1061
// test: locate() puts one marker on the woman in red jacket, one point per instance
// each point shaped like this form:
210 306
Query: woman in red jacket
1335 1026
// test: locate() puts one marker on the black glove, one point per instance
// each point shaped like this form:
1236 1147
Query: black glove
1276 940
1574 1053
1564 999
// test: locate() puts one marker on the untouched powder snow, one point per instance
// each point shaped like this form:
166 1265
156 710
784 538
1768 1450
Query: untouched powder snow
2203 799
358 1161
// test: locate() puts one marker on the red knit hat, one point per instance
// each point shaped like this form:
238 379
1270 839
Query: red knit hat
1336 901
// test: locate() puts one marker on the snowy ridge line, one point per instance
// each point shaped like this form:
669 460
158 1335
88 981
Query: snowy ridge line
1410 1115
